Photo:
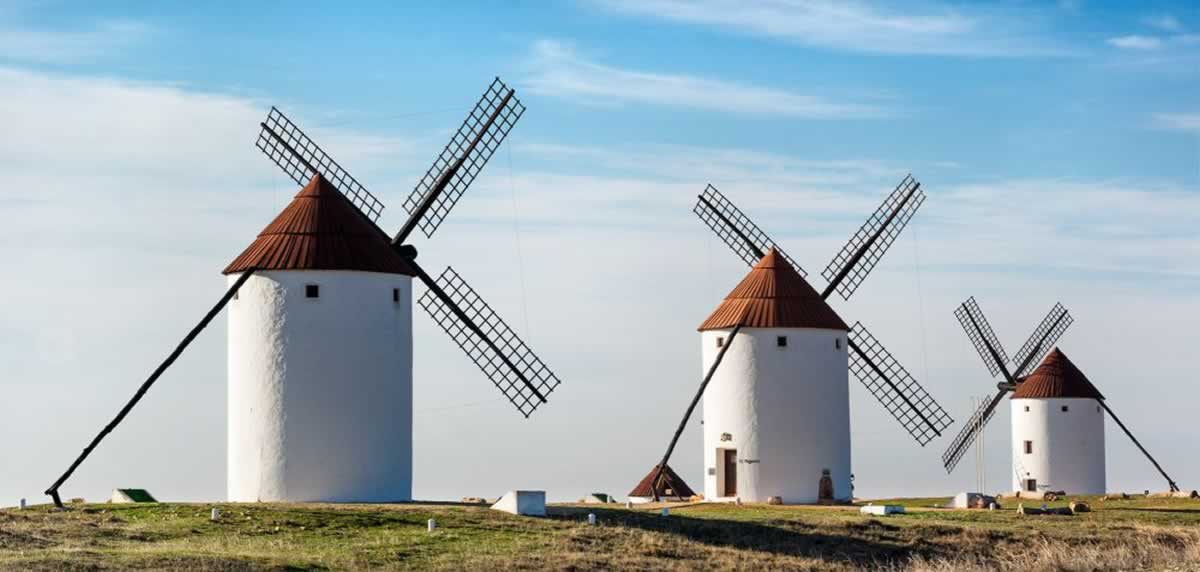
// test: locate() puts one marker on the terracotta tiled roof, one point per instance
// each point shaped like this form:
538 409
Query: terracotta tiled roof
320 230
1056 377
774 295
669 486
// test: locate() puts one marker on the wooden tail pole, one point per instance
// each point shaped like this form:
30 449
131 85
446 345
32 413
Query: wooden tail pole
1174 487
691 407
141 392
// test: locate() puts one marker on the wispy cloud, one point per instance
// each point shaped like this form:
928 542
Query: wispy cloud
1135 42
99 40
932 29
557 70
1165 22
1177 121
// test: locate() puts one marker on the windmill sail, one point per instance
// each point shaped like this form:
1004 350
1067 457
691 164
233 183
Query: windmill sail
488 341
859 256
967 435
895 388
980 332
463 157
301 158
1042 339
736 229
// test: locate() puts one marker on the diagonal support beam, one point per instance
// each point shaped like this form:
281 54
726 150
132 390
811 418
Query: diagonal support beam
1128 433
692 407
141 392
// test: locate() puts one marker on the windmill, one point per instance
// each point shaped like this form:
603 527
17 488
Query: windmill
320 327
1057 442
797 389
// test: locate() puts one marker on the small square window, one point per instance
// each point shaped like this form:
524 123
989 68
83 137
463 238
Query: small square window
720 342
1026 409
312 291
395 294
781 341
1064 408
837 343
1029 447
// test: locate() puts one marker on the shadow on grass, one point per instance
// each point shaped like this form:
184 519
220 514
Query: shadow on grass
867 542
1154 509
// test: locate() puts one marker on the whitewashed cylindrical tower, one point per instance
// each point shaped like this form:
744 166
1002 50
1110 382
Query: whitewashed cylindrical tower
777 411
1057 430
320 359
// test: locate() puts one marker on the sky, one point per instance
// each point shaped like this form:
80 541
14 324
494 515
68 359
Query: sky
1058 145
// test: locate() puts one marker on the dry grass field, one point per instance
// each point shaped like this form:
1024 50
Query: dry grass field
1136 534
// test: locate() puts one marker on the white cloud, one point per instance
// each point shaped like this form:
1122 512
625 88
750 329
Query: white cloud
1135 42
1165 22
932 29
557 70
102 39
1177 121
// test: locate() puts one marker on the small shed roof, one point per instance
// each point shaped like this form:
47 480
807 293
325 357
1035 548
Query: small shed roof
670 485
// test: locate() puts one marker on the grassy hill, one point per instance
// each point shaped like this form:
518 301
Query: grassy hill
1139 534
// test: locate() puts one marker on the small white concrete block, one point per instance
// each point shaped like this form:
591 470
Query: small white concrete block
882 509
591 519
628 504
666 511
524 503
216 514
22 504
432 524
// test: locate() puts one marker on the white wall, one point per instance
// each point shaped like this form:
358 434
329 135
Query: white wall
786 409
320 390
1068 446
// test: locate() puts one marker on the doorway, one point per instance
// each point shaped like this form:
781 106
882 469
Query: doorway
1031 485
729 472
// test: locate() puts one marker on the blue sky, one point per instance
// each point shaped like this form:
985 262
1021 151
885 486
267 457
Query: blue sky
1059 144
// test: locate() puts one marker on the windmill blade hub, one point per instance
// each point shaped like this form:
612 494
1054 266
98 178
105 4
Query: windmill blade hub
407 252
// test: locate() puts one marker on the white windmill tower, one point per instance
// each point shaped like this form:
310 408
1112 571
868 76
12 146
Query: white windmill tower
1057 430
777 413
1057 413
320 359
320 331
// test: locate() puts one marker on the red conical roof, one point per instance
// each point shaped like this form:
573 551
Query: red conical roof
1056 377
320 230
774 295
670 485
